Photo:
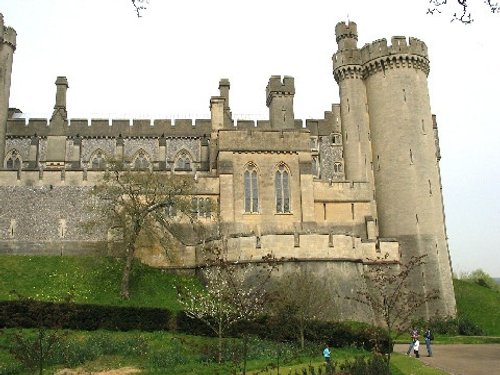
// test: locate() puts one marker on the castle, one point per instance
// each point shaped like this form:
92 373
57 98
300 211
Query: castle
329 194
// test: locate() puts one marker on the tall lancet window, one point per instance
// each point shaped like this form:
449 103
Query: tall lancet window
282 190
251 189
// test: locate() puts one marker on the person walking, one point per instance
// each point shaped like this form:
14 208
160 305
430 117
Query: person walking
414 336
428 338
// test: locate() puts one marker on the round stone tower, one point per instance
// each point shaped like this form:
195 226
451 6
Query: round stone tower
348 72
7 48
405 160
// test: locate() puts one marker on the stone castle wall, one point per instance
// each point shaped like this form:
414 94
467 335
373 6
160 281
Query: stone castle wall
361 182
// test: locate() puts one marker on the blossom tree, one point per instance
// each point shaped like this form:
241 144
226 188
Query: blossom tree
389 295
232 292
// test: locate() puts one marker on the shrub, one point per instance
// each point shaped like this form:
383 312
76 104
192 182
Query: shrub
460 325
375 365
467 327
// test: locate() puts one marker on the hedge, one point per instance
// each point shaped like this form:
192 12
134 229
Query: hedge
32 314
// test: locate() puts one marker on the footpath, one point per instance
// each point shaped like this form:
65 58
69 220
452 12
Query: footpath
460 359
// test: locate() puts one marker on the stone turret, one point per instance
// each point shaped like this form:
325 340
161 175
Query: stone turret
279 99
7 48
348 73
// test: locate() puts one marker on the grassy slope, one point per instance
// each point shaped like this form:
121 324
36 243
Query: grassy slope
97 280
479 304
87 279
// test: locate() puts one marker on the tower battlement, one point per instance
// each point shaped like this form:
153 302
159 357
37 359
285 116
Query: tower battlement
7 33
346 30
278 86
399 45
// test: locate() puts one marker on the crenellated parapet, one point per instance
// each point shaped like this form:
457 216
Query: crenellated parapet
378 56
19 127
277 86
400 46
7 34
350 62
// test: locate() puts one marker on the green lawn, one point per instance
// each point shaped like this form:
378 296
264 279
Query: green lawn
403 365
93 280
479 304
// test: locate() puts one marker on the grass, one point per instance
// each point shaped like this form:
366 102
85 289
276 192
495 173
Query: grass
169 353
480 304
403 365
93 280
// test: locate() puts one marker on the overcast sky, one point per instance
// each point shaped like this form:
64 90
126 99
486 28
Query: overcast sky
168 63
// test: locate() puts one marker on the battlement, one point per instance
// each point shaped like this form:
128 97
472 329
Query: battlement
346 30
7 33
278 86
399 45
310 247
346 57
101 127
110 127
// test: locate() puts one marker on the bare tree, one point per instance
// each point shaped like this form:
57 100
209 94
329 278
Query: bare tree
304 297
139 6
140 203
390 295
461 9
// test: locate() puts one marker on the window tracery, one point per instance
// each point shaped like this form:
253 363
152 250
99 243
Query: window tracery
251 189
282 188
13 160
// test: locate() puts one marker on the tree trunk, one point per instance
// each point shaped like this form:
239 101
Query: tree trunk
245 350
40 354
220 342
129 258
125 286
302 327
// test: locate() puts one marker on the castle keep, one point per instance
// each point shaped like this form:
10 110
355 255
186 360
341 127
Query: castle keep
330 194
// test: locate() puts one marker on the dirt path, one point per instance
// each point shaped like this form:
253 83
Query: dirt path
461 359
122 371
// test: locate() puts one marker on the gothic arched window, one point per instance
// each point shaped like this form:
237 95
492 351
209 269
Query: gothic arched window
98 161
282 187
183 162
251 189
13 161
141 161
337 167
